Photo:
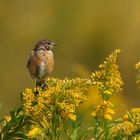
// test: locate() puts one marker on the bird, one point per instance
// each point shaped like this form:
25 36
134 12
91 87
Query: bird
41 61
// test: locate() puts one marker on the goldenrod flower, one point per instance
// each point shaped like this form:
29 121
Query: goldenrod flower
103 111
126 128
58 101
93 114
72 117
133 116
137 66
34 132
7 118
108 117
108 78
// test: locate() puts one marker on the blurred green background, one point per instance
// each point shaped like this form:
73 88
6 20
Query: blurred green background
86 31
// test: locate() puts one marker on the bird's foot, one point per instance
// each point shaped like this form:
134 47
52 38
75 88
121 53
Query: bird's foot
44 86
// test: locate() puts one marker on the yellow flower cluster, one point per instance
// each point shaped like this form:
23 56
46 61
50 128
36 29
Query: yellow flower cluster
34 132
137 66
133 116
58 101
126 128
108 79
103 111
130 124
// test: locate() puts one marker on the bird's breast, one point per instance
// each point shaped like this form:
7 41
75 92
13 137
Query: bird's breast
49 61
41 64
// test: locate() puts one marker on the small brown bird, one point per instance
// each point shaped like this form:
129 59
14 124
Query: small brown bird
41 61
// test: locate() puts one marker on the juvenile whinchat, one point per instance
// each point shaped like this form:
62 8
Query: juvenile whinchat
41 62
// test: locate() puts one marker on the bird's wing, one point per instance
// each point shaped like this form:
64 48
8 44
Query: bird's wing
29 59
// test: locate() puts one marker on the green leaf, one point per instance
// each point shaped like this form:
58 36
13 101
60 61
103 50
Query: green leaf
20 135
75 134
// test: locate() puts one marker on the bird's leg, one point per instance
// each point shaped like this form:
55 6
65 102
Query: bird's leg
41 84
36 92
44 86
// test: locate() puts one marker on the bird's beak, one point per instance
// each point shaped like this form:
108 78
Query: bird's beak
54 44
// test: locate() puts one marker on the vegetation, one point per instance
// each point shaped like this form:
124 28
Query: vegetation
53 111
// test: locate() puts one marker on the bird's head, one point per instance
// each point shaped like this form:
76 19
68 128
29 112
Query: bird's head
45 45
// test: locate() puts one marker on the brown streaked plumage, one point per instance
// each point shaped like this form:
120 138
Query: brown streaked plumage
41 62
